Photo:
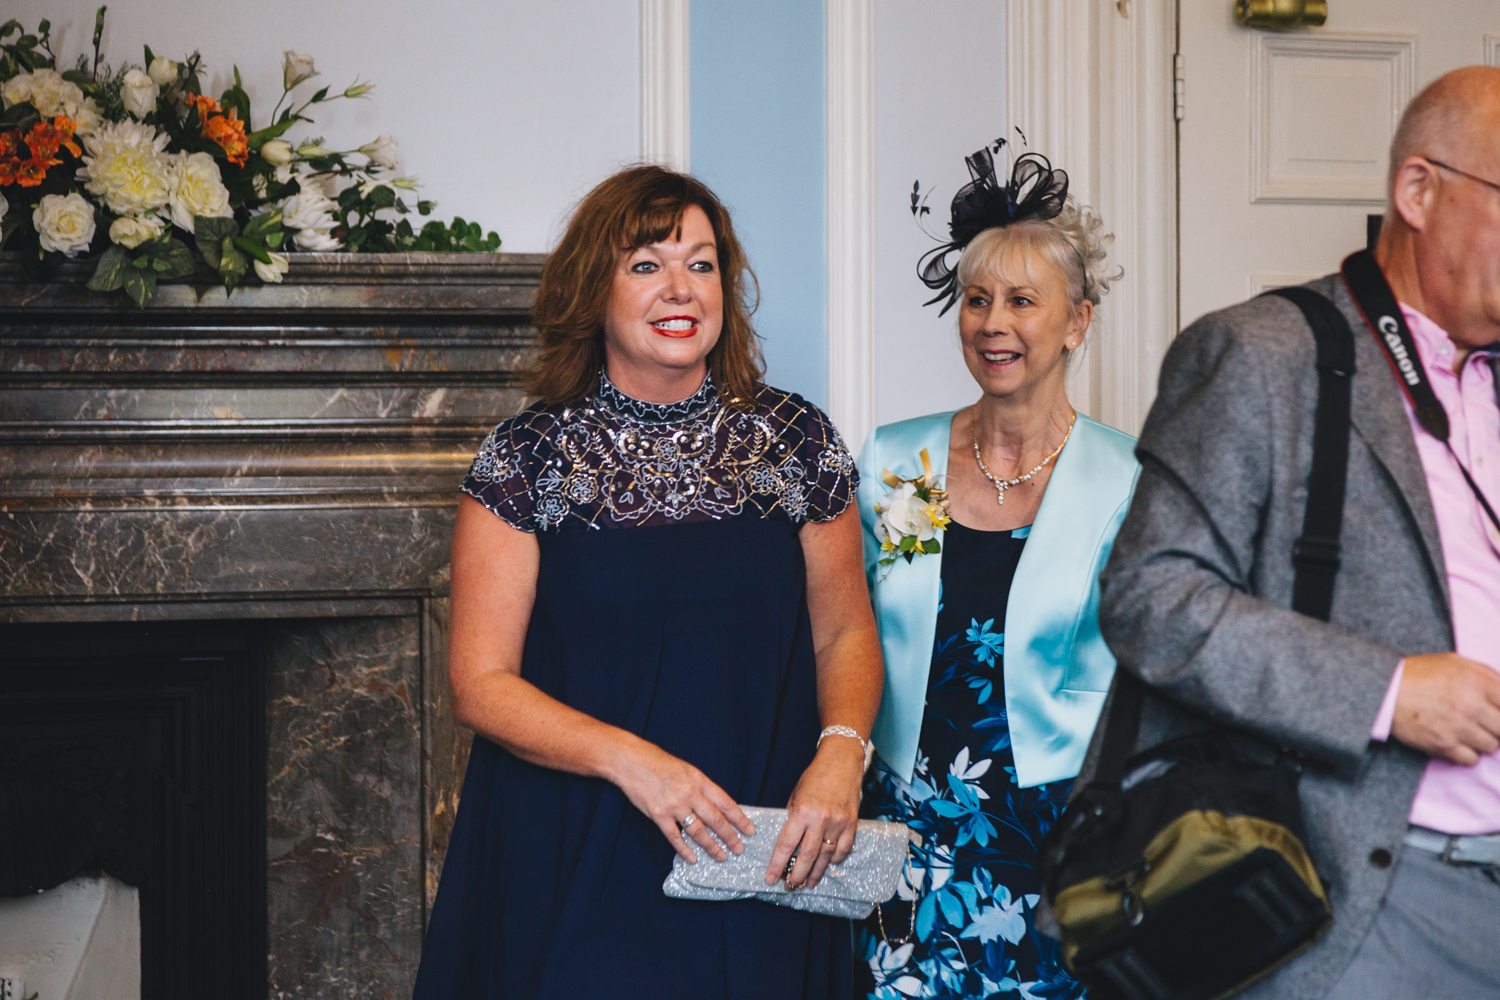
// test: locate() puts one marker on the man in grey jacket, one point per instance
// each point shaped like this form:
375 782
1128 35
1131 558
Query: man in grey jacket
1394 704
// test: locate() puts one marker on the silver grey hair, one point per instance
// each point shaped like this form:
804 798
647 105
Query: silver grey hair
1073 242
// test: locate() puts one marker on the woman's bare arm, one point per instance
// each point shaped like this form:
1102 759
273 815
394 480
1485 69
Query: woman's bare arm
494 588
851 671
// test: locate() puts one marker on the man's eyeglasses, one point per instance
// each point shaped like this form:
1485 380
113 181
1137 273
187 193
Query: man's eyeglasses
1462 173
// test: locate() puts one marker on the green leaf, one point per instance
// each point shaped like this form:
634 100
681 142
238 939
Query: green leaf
149 57
426 207
383 197
319 96
265 135
141 263
79 77
140 285
232 266
273 240
253 249
262 224
211 236
907 543
177 258
109 275
931 546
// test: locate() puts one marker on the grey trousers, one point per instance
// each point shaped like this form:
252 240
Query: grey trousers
1437 937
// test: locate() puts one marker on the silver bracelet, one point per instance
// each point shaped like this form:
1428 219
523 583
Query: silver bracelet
849 731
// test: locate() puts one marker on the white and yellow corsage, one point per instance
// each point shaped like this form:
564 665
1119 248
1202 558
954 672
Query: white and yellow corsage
909 517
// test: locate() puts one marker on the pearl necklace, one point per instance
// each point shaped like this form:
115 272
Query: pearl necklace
1001 485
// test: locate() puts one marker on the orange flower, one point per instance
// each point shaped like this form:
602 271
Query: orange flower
229 132
65 127
43 140
10 142
9 167
206 106
33 171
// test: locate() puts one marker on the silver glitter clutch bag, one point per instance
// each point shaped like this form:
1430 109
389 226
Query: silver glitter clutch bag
867 877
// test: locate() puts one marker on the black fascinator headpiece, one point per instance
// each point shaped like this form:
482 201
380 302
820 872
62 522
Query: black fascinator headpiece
1035 191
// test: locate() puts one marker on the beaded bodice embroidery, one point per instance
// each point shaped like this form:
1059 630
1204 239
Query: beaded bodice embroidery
616 461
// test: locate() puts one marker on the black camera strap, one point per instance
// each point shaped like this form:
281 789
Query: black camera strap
1315 554
1382 314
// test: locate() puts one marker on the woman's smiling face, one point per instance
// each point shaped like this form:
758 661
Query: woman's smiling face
1018 324
666 304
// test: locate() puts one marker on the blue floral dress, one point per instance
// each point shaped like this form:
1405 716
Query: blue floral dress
973 882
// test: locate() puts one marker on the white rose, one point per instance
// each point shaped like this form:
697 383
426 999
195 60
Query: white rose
276 152
163 71
271 273
125 166
296 68
64 223
383 152
196 188
131 233
138 92
308 209
4 206
904 513
16 90
316 241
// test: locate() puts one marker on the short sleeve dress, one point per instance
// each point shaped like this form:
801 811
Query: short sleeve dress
671 602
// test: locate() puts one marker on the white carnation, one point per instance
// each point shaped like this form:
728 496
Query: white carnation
131 233
308 209
125 166
85 115
16 90
51 95
64 223
316 241
195 188
138 92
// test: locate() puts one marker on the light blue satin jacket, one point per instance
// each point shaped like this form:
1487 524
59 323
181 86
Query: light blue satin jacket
1057 667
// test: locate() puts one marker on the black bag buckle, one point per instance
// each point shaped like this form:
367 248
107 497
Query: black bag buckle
1320 554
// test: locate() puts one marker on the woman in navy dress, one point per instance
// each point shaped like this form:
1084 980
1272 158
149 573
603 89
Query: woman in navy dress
658 613
986 590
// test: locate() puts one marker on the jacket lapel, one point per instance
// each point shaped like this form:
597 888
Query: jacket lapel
1380 419
905 594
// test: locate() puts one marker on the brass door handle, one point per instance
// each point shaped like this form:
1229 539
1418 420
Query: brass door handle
1281 13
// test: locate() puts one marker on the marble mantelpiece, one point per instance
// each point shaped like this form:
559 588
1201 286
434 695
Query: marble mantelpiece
288 454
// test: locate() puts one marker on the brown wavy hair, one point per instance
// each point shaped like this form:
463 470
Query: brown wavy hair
634 208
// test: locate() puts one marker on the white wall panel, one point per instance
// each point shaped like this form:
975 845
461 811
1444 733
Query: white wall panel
939 95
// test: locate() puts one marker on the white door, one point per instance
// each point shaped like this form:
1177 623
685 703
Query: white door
1284 134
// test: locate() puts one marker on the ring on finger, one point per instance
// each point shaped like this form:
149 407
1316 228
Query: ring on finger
688 821
830 843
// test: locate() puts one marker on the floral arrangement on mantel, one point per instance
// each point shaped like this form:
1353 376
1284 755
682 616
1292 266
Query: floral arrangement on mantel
137 165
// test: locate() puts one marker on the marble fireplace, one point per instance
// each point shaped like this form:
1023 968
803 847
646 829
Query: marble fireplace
224 525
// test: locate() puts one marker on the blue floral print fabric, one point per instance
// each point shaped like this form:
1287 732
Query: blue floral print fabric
967 906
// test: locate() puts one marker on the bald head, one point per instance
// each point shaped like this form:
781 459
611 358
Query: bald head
1440 245
1456 119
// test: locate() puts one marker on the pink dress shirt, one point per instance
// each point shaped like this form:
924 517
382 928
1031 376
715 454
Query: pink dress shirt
1450 798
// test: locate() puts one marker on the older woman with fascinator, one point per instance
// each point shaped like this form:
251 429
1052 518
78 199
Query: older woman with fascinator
985 532
657 610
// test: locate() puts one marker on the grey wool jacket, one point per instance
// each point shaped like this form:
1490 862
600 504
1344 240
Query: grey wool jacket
1197 593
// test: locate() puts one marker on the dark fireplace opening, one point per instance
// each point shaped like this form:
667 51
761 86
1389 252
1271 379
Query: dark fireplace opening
139 751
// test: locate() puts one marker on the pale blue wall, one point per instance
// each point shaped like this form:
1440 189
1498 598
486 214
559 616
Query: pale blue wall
757 140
